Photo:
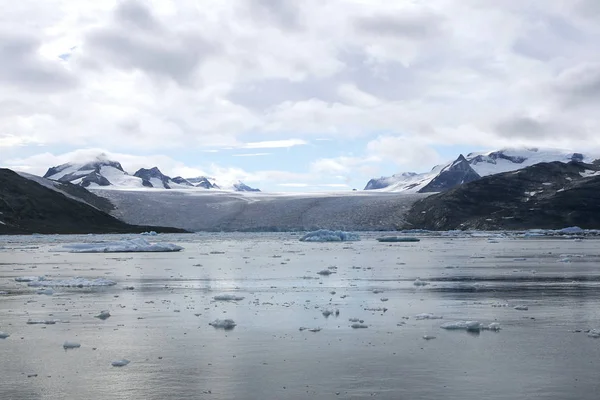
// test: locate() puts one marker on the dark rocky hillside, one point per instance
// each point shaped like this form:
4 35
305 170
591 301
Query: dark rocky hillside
28 207
546 195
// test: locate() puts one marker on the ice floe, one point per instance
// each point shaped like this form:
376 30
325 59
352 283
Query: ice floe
325 235
3 335
428 337
29 278
521 308
594 333
46 291
122 246
359 326
427 316
77 282
325 272
41 322
472 326
104 314
397 239
120 363
302 328
228 297
223 323
419 282
71 345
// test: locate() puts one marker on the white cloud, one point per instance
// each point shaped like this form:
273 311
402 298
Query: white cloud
274 144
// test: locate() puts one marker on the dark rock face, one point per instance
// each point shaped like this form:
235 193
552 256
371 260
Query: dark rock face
94 177
458 173
28 207
242 187
202 182
154 172
181 181
84 172
546 195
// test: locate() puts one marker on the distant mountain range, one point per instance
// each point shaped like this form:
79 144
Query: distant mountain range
471 168
102 172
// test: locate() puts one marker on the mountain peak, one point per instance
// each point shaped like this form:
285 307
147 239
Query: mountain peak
153 178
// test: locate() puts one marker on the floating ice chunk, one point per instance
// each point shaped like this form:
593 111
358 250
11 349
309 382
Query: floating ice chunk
327 313
359 326
3 335
47 291
29 278
428 337
594 333
123 246
41 322
71 345
151 233
120 363
494 326
419 282
356 320
223 323
571 230
427 316
397 239
73 282
2 292
377 291
104 314
228 297
521 308
302 328
472 326
325 235
325 272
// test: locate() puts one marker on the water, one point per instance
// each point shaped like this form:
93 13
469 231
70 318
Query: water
175 354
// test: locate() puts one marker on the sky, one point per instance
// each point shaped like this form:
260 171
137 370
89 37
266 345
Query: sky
288 95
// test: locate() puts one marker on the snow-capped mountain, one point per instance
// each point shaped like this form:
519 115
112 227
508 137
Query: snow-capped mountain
102 172
472 167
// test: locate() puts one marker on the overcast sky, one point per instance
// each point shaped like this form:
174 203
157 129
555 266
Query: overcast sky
298 94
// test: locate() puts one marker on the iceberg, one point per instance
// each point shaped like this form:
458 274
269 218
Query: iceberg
223 323
419 282
3 335
594 333
138 245
29 278
359 326
71 345
72 282
41 322
325 235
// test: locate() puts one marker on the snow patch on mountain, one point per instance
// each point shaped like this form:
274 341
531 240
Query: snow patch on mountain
472 167
104 173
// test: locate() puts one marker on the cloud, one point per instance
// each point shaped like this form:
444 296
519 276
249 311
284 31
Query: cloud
23 68
579 85
414 24
251 154
405 151
274 144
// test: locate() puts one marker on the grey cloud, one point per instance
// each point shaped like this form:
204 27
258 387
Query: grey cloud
136 14
579 86
526 127
136 40
23 68
284 13
416 26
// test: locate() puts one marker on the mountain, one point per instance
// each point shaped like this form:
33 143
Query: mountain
153 178
447 176
203 182
545 195
105 173
38 205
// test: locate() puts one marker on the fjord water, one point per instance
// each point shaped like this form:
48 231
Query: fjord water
162 325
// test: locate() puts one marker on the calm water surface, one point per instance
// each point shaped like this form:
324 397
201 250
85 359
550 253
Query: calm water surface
162 325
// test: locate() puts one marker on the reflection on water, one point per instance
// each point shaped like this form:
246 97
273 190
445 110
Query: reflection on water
162 325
